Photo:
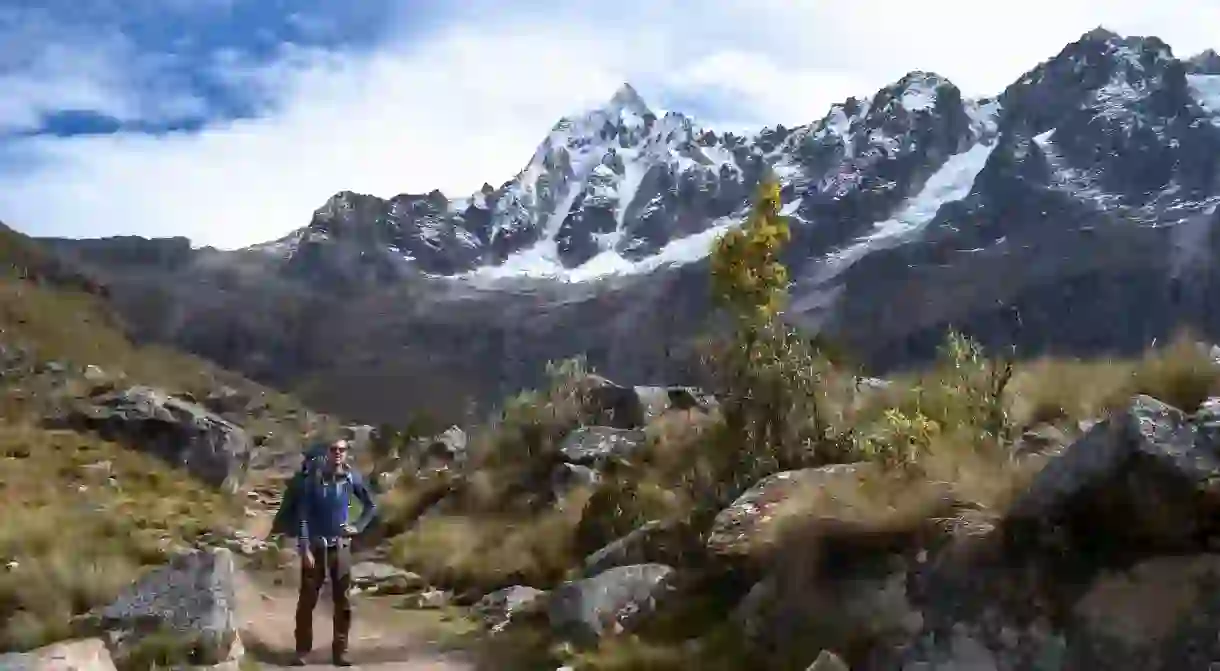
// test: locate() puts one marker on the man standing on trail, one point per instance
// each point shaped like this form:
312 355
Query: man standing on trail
324 544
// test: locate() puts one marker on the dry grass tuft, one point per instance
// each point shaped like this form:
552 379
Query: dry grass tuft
490 551
88 515
1180 373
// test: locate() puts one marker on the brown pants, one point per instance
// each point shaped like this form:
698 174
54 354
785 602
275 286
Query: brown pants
334 562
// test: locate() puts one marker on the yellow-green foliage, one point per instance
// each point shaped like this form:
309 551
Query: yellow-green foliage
963 397
770 378
747 276
900 438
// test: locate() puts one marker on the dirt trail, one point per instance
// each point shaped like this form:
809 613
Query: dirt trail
383 638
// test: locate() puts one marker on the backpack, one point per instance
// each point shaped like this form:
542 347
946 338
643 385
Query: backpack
285 521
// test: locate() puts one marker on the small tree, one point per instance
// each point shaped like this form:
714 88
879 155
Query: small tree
747 276
768 375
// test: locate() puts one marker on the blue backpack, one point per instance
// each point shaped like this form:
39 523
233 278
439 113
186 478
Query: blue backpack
285 522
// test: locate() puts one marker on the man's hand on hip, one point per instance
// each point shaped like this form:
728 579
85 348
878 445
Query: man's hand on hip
306 558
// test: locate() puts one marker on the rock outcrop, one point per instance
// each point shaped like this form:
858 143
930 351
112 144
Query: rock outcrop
187 605
611 602
180 431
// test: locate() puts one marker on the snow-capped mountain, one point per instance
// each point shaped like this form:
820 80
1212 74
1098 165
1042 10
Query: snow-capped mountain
604 190
1075 210
620 190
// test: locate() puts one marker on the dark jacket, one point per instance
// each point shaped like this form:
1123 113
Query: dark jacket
325 500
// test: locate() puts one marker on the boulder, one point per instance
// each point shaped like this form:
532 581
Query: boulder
598 445
191 600
1146 478
444 449
500 608
1161 614
840 500
81 655
615 601
183 433
1102 562
808 602
621 407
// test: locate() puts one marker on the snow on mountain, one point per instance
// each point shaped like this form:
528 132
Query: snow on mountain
1206 90
951 182
621 190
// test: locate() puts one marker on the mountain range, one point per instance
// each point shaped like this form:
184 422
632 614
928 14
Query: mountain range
1073 212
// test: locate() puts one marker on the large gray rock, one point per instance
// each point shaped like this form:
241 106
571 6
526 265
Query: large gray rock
615 601
82 655
801 605
1158 615
629 407
445 449
1148 477
599 445
192 600
1103 561
751 526
183 433
499 609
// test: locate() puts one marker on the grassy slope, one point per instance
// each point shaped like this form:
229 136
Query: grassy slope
88 513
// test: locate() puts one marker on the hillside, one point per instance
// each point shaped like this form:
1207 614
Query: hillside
1071 212
87 511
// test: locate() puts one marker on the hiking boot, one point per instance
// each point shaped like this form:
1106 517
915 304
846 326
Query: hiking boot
298 659
340 659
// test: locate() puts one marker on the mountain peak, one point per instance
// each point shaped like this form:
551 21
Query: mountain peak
916 90
627 99
625 94
1204 63
1099 34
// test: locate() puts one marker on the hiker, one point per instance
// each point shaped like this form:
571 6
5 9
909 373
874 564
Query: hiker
324 543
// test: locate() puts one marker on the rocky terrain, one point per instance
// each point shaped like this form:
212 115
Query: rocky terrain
977 514
1087 187
1078 536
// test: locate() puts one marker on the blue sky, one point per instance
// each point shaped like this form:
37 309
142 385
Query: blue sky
230 121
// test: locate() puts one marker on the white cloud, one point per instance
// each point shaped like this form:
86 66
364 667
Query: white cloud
469 104
48 66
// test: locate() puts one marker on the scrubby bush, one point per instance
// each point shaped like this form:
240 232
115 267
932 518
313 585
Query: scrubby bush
769 378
